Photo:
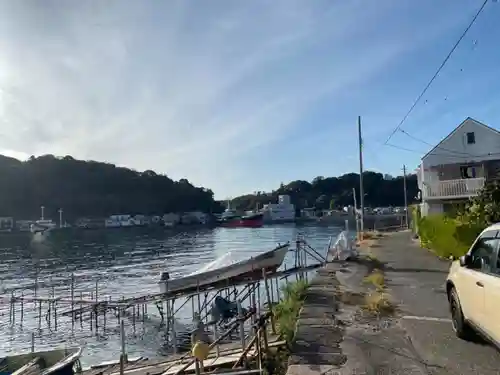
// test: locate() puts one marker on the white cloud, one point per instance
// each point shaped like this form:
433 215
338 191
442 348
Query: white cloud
185 88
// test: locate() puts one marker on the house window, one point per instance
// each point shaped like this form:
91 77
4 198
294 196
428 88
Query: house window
471 138
468 172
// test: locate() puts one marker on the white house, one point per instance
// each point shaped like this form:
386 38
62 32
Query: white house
457 167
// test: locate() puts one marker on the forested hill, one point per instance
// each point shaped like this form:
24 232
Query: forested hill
324 193
93 189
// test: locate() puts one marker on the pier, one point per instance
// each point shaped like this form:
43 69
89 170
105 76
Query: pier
230 341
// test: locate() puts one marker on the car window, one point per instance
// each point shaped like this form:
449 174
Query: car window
497 268
483 254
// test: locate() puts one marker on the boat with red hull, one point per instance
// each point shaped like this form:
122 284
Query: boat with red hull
249 221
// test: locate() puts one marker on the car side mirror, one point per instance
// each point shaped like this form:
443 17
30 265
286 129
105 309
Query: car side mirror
464 260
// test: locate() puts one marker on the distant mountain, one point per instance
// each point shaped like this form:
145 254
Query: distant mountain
90 188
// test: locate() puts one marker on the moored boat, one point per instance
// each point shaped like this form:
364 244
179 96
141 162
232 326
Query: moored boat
250 268
42 225
249 221
53 362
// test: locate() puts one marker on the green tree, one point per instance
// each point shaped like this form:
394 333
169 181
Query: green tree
379 191
89 188
484 209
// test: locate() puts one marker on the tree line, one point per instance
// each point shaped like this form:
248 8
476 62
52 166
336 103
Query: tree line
336 192
95 189
92 189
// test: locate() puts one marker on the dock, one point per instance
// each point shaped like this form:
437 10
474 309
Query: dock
232 342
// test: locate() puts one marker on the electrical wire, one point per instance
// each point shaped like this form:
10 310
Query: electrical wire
446 155
453 152
437 72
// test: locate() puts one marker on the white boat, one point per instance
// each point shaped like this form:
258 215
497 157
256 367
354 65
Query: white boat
42 225
53 362
213 273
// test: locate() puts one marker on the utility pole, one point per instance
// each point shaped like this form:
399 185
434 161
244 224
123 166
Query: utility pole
406 199
42 208
361 191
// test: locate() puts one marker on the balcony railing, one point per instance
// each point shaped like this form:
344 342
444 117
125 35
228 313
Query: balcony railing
453 189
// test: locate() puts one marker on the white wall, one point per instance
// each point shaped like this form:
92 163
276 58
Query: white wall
431 208
487 142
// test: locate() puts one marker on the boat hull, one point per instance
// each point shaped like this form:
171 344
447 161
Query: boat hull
255 221
55 362
247 269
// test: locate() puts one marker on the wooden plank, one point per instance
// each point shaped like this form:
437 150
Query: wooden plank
167 368
142 366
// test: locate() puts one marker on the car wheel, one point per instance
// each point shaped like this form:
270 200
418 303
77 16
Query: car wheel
460 326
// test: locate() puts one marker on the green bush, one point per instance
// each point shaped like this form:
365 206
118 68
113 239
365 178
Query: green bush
446 236
287 310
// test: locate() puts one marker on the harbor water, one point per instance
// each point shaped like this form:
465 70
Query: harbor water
121 263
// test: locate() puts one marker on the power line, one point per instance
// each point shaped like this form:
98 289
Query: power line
434 146
416 151
446 155
437 72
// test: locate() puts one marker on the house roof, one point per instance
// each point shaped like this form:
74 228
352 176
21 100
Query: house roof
457 129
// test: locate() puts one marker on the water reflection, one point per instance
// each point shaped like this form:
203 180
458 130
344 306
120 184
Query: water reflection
122 263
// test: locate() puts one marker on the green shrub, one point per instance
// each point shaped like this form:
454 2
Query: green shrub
287 310
446 236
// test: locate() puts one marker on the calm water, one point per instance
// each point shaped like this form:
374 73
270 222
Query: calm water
122 263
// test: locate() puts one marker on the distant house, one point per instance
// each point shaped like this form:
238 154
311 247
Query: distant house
24 225
458 166
89 223
194 217
171 219
6 224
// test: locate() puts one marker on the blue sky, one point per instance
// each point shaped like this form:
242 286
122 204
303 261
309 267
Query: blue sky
239 96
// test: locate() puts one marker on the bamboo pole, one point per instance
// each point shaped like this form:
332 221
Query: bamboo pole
211 346
264 276
247 349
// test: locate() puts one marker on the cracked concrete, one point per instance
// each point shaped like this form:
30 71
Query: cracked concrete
335 337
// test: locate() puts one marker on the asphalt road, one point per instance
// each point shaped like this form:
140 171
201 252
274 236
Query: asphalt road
416 280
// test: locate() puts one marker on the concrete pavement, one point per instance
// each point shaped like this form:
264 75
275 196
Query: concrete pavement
416 279
334 338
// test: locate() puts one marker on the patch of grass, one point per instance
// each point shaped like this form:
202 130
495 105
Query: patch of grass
372 235
379 303
287 310
350 298
376 278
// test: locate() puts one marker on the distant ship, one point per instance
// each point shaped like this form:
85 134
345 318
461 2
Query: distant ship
247 221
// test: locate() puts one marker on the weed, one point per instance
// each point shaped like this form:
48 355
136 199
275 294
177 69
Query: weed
376 278
379 303
287 310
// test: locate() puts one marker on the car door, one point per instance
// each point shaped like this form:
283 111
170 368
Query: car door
474 277
492 301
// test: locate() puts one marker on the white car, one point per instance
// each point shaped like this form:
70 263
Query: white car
473 288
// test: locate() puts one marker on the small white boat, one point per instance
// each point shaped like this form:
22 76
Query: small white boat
250 268
42 226
53 362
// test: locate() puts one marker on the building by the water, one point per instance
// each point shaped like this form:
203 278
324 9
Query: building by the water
281 212
6 224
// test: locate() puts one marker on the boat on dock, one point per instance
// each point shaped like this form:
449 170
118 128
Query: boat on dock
53 362
226 269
